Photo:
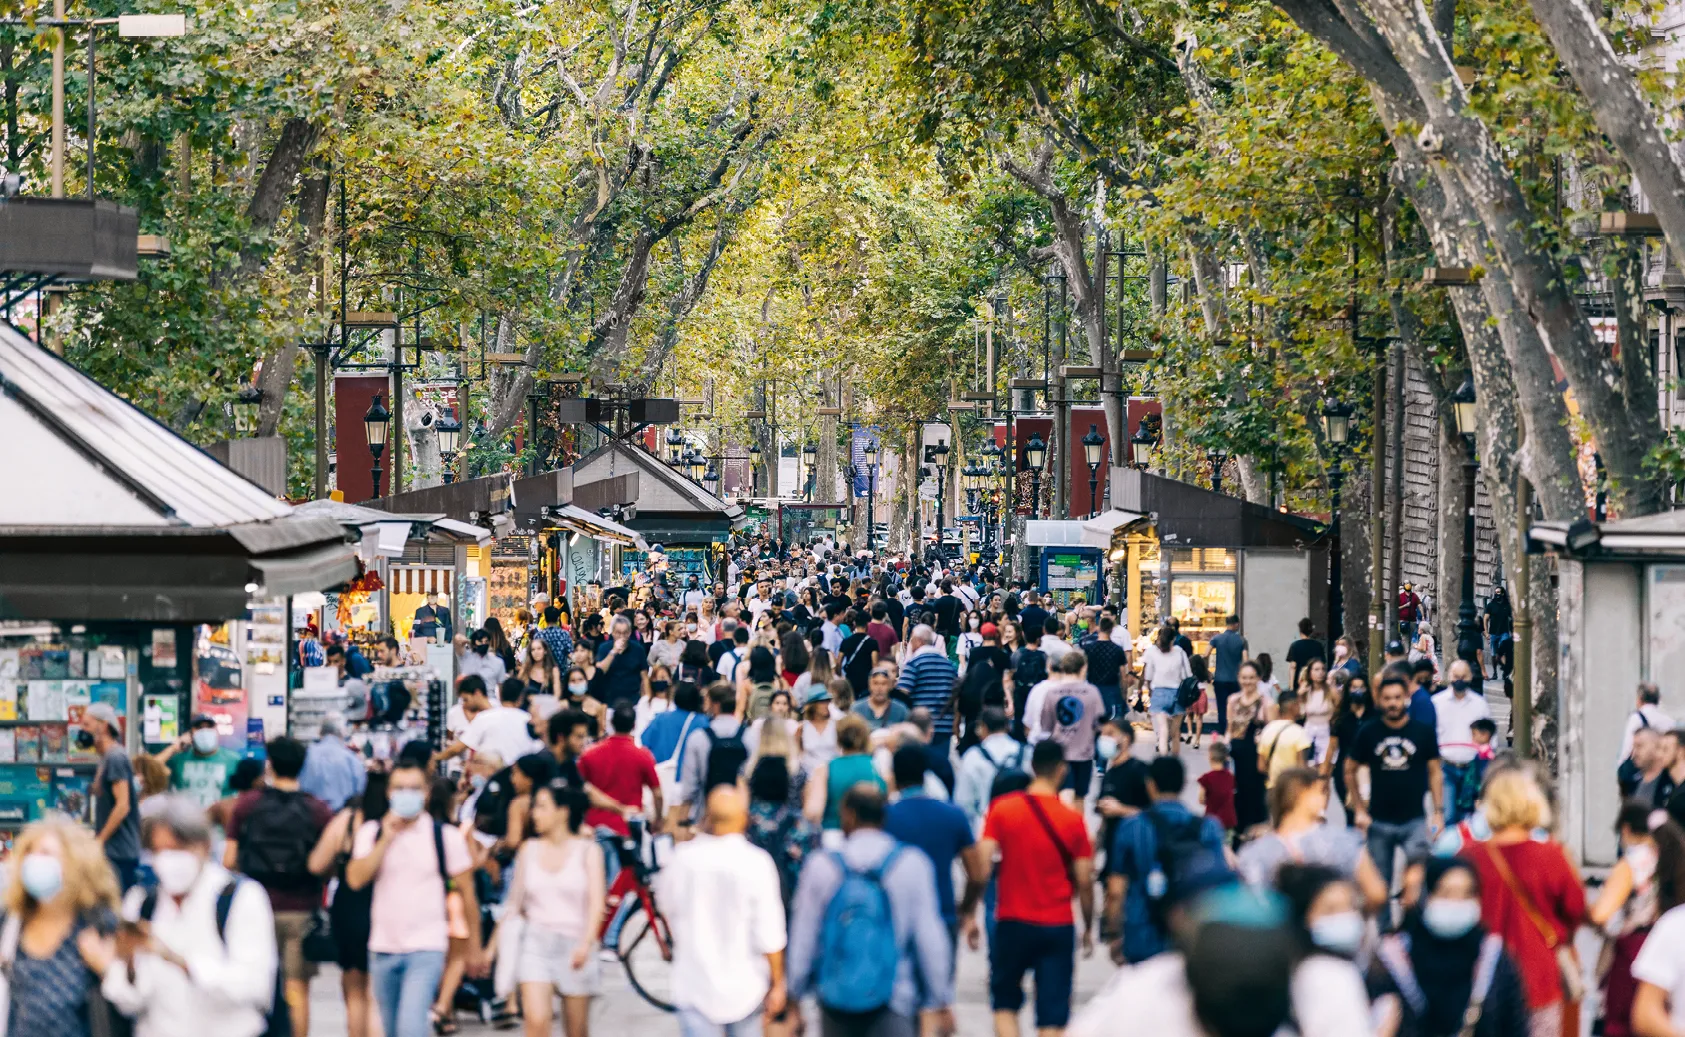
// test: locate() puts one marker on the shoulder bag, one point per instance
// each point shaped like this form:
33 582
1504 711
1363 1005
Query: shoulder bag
1053 833
1567 962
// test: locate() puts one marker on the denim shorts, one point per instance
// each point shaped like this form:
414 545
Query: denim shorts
1164 701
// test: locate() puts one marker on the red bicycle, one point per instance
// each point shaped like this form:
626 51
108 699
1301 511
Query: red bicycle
644 943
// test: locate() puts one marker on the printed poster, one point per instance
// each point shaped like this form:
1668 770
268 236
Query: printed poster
164 648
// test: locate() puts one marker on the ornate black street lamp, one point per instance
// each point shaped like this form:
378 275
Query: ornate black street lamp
1143 446
376 422
1216 458
1092 444
1035 458
1468 625
450 434
1336 426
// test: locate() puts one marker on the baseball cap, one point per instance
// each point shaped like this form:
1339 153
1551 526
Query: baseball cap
1395 647
988 630
102 711
201 720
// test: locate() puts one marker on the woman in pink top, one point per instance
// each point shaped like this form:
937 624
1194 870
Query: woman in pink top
557 893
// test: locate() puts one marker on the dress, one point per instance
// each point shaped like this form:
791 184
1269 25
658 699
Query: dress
50 996
1245 721
789 838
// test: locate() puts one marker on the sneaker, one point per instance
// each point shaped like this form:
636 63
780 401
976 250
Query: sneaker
608 956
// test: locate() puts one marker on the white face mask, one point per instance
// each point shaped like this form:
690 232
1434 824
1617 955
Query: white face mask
1449 919
176 870
205 740
1342 933
577 689
975 622
1107 747
407 803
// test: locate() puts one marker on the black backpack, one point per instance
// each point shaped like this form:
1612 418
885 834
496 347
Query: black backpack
1179 856
726 758
1007 781
1187 694
278 1020
276 840
1028 669
491 810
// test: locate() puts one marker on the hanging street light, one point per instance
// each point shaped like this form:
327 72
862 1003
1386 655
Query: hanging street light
1035 458
1143 446
675 446
376 423
810 455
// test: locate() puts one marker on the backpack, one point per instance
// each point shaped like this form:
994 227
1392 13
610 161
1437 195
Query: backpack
278 1020
855 974
491 810
1177 857
1187 693
1007 781
1029 669
726 757
276 840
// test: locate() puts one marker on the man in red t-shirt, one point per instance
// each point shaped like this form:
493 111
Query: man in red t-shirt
621 769
1045 857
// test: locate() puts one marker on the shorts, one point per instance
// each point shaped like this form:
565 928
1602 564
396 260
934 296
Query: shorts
1164 701
1050 952
547 957
290 930
1079 774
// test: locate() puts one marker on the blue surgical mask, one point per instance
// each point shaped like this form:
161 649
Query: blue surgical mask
1450 919
1340 934
1107 747
477 781
408 803
205 740
42 876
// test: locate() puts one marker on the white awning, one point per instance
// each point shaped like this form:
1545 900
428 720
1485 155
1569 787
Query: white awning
1097 532
1054 533
571 516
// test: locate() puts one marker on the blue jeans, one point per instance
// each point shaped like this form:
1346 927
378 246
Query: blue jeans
127 872
1456 774
989 900
1112 696
1387 837
609 840
693 1024
404 987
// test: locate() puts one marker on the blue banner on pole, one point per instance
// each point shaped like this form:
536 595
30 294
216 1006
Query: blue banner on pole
864 436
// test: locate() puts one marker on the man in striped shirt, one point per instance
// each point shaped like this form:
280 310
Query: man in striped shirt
927 676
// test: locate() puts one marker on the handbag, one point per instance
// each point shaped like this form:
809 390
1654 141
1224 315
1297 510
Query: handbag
511 931
319 944
1567 962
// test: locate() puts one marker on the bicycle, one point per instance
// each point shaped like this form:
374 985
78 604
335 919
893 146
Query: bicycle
645 942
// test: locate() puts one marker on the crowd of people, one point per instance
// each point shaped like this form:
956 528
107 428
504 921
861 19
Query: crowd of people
845 773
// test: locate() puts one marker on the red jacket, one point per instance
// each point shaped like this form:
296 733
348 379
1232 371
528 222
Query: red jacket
1542 871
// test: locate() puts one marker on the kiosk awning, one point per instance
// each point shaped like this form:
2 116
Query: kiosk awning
1097 532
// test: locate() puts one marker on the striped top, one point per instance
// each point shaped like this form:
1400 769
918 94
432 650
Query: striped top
928 679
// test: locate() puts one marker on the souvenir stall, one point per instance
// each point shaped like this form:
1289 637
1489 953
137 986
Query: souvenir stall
673 510
128 539
1066 568
1201 556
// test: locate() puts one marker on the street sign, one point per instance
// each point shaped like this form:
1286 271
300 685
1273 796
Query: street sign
927 489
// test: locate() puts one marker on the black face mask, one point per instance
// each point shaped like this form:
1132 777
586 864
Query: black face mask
84 740
658 685
482 647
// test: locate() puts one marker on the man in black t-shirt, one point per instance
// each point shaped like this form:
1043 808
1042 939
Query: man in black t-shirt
947 607
1402 758
1123 788
1032 618
1304 650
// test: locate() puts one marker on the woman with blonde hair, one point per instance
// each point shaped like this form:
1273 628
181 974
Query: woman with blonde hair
57 941
154 783
1531 895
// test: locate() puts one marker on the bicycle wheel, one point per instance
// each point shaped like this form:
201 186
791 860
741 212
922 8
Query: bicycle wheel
645 947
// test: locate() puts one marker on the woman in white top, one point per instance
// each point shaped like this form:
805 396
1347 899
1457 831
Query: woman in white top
970 624
1164 666
780 712
1424 648
1320 699
554 903
816 738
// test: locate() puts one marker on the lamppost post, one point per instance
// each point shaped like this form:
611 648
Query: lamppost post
810 454
940 453
1336 424
1468 626
450 434
869 453
1216 457
1035 456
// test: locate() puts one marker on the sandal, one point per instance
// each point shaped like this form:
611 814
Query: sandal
443 1025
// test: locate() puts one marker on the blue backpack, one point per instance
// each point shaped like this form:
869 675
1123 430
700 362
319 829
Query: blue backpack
855 975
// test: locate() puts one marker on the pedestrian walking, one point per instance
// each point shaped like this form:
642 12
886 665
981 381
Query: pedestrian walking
333 771
713 755
414 864
270 836
928 677
729 929
943 833
547 937
1531 896
1249 712
116 797
1300 834
348 910
866 933
1324 912
197 952
1628 906
1044 859
816 736
1070 716
776 824
57 939
878 709
1159 858
199 765
1319 699
829 784
1647 715
1456 710
1228 650
1445 968
1353 711
1164 666
1284 743
1401 758
1216 787
622 770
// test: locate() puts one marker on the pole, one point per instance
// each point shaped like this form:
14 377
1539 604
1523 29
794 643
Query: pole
1093 490
1336 598
58 101
1521 718
1379 635
1468 626
399 432
941 495
321 352
93 34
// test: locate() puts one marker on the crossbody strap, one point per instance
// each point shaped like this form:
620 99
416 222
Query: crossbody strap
1546 930
1053 834
1394 952
1485 969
